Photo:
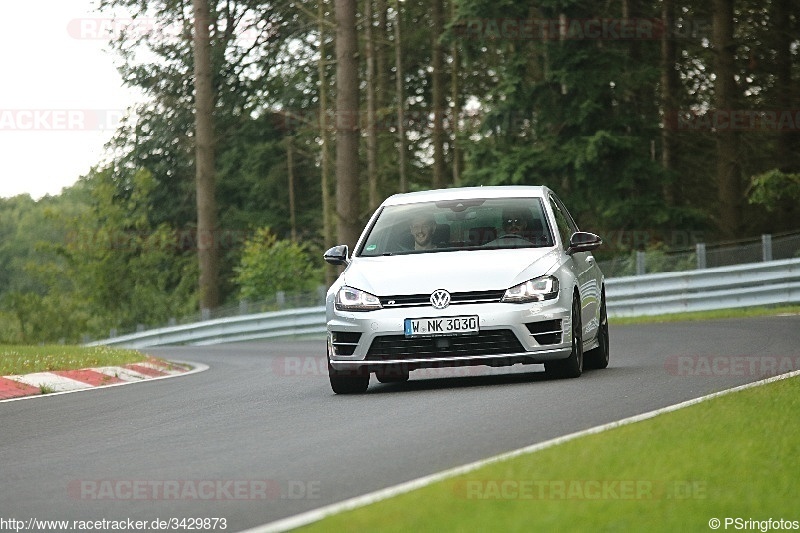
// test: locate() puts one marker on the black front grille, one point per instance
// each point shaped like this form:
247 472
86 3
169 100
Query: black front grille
546 331
417 300
488 342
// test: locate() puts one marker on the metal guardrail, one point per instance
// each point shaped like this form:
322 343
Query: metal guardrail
292 322
700 255
756 284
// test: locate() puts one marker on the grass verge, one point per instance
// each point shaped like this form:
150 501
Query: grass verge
26 359
730 457
741 312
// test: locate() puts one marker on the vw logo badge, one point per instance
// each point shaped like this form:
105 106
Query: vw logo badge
440 299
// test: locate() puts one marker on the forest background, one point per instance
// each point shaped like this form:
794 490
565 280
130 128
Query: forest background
272 130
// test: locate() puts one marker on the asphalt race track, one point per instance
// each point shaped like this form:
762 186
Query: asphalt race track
260 436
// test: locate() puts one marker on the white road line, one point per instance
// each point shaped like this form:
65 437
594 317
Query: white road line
315 515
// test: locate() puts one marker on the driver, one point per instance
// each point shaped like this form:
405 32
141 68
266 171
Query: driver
422 228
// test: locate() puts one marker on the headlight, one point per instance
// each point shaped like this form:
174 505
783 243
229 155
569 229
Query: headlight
535 290
350 299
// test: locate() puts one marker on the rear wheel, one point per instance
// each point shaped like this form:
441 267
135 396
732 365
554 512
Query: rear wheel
598 357
348 381
572 366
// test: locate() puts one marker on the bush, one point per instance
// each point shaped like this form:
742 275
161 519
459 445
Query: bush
269 265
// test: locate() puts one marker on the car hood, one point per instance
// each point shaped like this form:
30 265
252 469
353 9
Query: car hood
460 271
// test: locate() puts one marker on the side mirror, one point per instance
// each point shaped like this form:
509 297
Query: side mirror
337 255
582 241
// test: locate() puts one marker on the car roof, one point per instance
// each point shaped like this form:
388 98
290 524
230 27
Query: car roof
467 193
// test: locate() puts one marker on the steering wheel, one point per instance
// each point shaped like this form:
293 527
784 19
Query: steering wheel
513 236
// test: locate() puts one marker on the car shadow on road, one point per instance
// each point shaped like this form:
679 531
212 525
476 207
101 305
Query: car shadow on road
456 382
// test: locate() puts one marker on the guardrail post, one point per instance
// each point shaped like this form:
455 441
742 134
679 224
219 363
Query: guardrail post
641 263
280 298
205 314
700 251
244 307
766 247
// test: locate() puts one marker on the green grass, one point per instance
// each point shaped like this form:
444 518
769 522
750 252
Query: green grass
732 456
742 312
27 359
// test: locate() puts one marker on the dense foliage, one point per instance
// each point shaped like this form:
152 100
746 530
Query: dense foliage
644 115
269 266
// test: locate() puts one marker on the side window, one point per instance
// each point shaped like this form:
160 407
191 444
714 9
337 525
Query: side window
566 227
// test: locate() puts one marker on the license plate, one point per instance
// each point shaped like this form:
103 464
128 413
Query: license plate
448 325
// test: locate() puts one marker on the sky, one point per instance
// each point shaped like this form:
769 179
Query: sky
60 94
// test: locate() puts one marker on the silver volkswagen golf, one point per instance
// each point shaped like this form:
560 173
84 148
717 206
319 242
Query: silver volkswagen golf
466 276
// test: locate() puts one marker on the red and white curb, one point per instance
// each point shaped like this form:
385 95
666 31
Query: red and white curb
62 381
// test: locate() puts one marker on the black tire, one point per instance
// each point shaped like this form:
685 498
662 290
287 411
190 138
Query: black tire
348 381
572 366
598 357
393 374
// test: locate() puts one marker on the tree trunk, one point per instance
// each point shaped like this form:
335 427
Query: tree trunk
455 96
728 169
669 99
290 185
348 191
381 59
372 131
438 101
781 10
328 221
207 245
383 104
401 100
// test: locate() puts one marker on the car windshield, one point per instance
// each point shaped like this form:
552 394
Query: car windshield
452 225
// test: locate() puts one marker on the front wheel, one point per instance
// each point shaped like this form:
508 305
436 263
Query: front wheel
348 381
572 366
598 357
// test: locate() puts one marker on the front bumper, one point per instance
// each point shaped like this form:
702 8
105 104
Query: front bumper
509 334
